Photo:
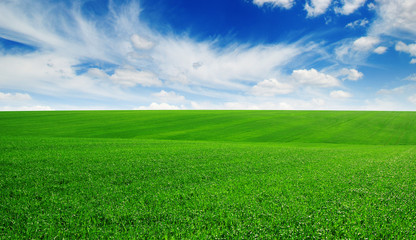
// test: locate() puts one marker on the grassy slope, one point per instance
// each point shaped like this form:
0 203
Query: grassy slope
126 188
240 126
64 175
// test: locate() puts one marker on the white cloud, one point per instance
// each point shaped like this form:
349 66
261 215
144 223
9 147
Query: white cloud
395 18
14 97
26 108
356 51
412 99
350 6
317 7
324 102
371 6
256 106
413 61
314 78
340 94
358 23
96 73
19 102
65 39
186 62
380 50
53 75
350 74
140 42
239 106
243 105
365 43
169 96
123 54
128 77
131 77
271 87
276 3
397 90
410 49
318 101
411 77
159 106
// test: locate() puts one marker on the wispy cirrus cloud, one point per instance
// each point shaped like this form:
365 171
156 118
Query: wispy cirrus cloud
107 59
202 64
276 3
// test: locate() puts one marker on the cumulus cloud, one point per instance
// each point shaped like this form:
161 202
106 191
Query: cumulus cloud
380 50
287 4
365 43
169 96
349 6
271 87
410 49
140 42
358 23
340 94
159 106
317 7
19 102
314 78
14 97
350 74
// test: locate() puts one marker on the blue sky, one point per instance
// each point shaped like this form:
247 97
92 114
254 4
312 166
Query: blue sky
208 54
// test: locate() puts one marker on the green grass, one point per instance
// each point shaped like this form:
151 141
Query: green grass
207 175
236 126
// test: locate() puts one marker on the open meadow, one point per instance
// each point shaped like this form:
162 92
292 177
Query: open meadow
207 175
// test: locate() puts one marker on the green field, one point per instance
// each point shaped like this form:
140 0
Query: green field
207 175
